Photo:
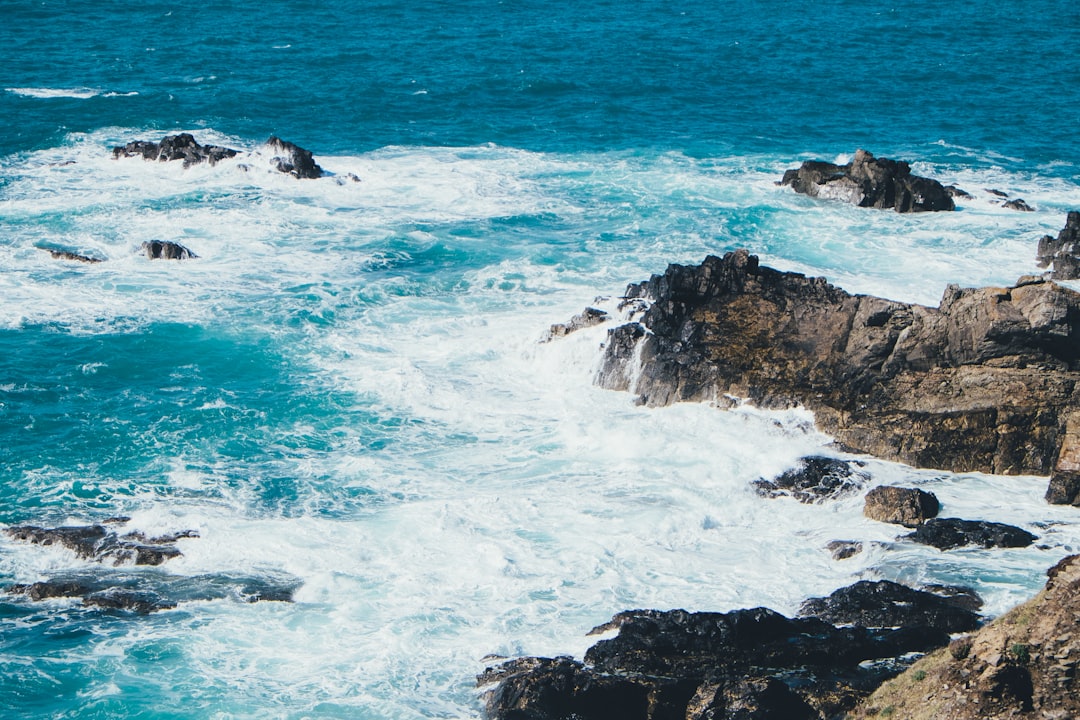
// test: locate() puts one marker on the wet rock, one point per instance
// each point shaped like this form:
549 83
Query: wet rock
182 147
888 604
903 506
984 382
1018 204
101 544
1062 252
844 549
955 192
958 595
293 160
68 255
817 478
867 181
590 317
743 664
949 533
166 250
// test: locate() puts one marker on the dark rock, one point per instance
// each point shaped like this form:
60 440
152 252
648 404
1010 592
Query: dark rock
985 382
165 250
676 665
948 533
47 589
119 599
844 549
293 160
96 542
589 318
955 192
1018 204
817 478
870 182
997 193
888 604
175 147
903 506
958 595
1063 252
68 255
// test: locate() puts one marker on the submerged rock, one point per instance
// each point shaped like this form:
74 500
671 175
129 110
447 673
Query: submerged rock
818 478
1024 664
68 255
166 250
984 382
101 544
904 506
1018 204
1062 252
867 181
949 533
844 549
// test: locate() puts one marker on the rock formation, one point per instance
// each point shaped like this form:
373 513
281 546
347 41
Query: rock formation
166 250
984 382
817 478
102 544
1062 252
949 533
909 507
754 663
867 181
884 603
293 160
68 255
175 147
1022 665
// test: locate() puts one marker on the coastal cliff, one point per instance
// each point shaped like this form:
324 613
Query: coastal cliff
984 382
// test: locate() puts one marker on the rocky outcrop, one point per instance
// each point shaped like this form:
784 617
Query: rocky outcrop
888 604
589 317
677 665
909 507
167 250
867 181
102 544
984 382
817 478
182 147
293 160
1022 665
68 255
949 533
1062 252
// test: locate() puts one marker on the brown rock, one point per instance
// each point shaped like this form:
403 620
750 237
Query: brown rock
903 506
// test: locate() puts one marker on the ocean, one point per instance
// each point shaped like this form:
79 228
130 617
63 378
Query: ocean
347 393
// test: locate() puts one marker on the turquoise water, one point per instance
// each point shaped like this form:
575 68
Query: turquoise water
347 391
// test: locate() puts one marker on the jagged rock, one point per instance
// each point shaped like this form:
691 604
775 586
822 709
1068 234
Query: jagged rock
293 159
175 147
68 255
867 181
1024 664
888 604
165 250
903 506
955 192
590 317
958 595
676 665
984 382
1018 204
948 533
818 478
844 549
1063 252
98 543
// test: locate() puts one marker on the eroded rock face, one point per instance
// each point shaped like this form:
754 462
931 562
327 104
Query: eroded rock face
675 665
1062 252
984 382
867 181
1024 664
949 533
909 507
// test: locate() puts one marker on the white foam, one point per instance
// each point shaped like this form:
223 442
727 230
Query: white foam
80 93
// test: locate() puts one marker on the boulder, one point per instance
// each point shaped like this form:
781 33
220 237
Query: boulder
166 250
1062 252
590 317
984 382
817 478
888 604
867 181
903 506
1024 664
949 533
1018 204
293 160
101 544
175 147
844 549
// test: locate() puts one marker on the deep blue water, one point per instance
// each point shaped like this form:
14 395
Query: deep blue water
346 392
